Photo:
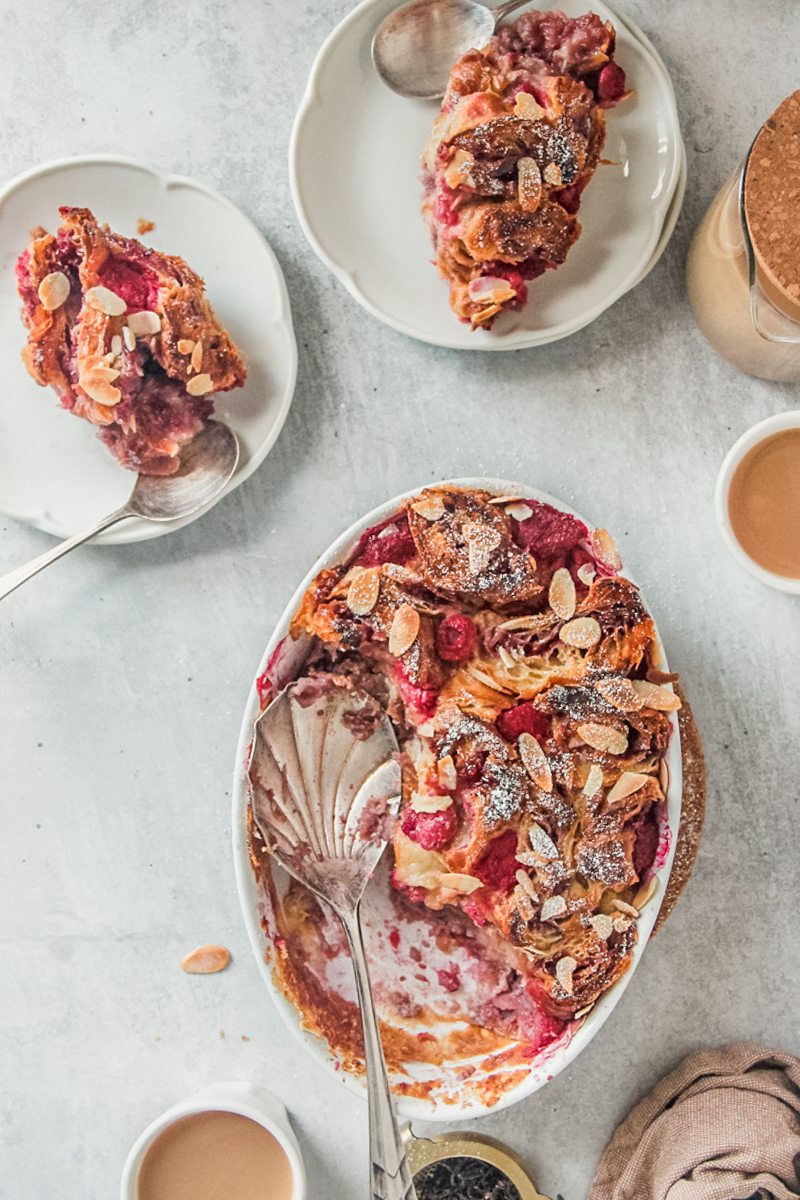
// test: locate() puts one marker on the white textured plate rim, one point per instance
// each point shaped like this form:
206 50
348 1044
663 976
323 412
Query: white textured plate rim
521 339
137 530
410 1107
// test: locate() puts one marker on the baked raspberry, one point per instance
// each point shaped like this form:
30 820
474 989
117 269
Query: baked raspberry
523 719
456 637
414 895
389 542
450 977
645 846
611 83
420 699
498 867
547 531
431 830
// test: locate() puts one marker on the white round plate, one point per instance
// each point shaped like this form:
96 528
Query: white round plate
287 663
54 473
354 163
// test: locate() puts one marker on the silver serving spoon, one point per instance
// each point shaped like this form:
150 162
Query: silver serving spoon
318 792
207 464
415 46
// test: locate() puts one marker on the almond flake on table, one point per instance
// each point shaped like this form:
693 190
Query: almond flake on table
206 960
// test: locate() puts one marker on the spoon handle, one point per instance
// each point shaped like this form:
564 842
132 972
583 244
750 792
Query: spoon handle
501 11
19 575
390 1177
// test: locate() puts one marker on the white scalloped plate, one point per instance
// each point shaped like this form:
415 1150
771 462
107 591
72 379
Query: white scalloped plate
54 473
556 1058
354 169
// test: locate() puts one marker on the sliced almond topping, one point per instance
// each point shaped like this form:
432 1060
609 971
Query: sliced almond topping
603 925
594 780
535 761
628 783
430 507
528 859
106 301
586 573
526 883
622 923
624 907
655 695
542 843
620 693
608 738
144 324
446 771
53 290
645 893
102 372
185 345
605 548
505 499
197 356
552 175
426 729
554 906
524 905
404 630
520 512
481 543
427 802
362 595
663 776
562 594
206 960
100 390
534 621
526 105
129 338
198 385
458 168
565 969
463 884
116 345
582 632
529 179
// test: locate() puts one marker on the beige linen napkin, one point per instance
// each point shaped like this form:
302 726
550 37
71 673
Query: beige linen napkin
724 1126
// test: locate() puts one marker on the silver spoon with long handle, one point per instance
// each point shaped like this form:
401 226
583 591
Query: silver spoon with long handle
415 46
322 778
207 463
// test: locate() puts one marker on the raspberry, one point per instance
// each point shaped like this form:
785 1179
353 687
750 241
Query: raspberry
611 83
431 830
455 637
498 867
414 895
645 846
548 530
450 977
421 699
523 719
389 542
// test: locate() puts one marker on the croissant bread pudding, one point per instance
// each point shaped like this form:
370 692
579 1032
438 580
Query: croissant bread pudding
517 140
521 672
126 338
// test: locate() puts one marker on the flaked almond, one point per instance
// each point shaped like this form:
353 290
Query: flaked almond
534 621
623 907
526 105
116 345
481 544
524 904
505 499
446 773
528 859
463 884
586 573
404 630
562 594
565 969
663 776
427 802
458 168
197 356
535 761
100 390
362 595
554 906
526 883
144 323
206 960
605 548
655 695
520 512
129 338
430 507
622 923
608 738
582 632
603 925
541 843
185 345
620 693
53 290
102 371
198 385
628 784
594 780
552 175
529 179
645 893
105 301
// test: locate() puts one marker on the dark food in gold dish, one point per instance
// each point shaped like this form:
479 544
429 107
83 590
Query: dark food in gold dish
126 338
521 671
518 138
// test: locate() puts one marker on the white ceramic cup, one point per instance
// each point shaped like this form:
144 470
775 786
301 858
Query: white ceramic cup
238 1097
753 437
